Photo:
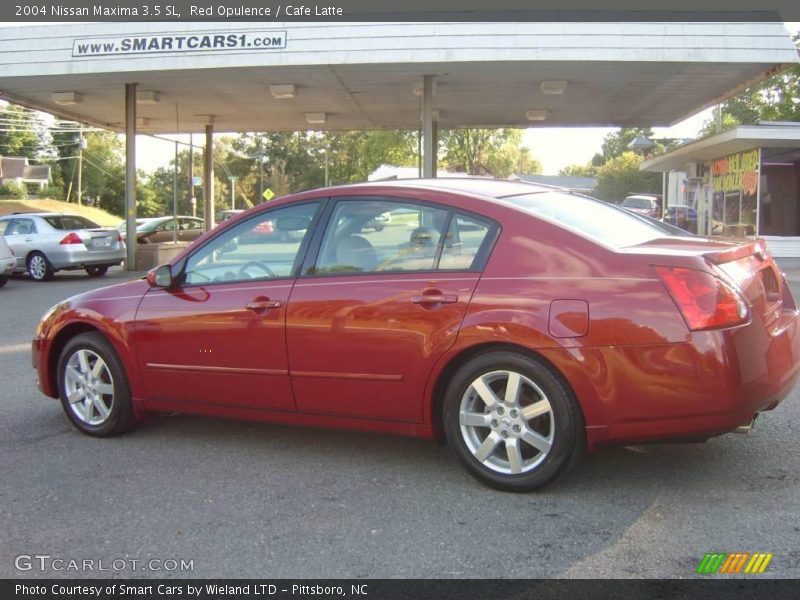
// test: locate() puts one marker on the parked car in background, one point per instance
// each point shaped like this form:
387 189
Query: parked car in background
224 215
44 243
162 229
7 261
123 227
646 205
378 223
520 323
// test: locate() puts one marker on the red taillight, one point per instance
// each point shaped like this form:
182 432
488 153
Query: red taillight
119 237
705 301
72 238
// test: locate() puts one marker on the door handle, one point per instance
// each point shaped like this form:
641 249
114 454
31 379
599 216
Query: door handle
263 304
28 239
435 299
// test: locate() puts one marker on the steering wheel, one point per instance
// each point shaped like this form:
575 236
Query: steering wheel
254 264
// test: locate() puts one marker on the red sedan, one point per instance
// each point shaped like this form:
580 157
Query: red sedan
520 323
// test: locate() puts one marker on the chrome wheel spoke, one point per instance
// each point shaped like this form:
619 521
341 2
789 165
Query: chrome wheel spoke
542 407
76 396
514 456
473 419
83 361
485 392
513 387
536 440
72 375
487 447
102 409
105 389
97 370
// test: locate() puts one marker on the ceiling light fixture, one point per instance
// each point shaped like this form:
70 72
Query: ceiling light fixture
283 91
553 87
536 114
315 118
67 98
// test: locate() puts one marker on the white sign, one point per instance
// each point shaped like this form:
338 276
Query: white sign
172 43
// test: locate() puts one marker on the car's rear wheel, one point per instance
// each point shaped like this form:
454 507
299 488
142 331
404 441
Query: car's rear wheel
97 271
39 268
94 390
3 280
512 421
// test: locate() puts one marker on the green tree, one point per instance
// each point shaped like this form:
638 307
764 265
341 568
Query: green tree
498 152
775 99
578 170
620 176
615 144
20 132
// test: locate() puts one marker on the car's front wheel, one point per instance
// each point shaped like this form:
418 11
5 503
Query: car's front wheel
39 268
511 420
3 280
94 390
96 271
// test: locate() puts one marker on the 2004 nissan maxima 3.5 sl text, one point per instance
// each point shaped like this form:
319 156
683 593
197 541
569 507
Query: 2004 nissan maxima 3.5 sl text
521 323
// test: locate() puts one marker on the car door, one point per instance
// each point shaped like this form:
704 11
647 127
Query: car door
372 314
20 234
217 337
190 229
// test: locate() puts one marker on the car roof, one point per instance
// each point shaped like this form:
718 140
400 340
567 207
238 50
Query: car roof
479 186
43 214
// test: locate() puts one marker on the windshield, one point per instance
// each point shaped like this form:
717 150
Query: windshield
637 203
596 219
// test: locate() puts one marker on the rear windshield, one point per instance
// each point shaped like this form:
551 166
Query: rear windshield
601 221
70 222
637 203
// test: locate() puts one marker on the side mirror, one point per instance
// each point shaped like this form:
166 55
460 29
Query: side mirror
161 276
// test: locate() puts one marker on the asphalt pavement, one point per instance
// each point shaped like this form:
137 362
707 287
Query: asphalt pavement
243 499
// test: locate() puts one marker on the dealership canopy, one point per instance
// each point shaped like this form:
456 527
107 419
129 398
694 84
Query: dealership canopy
295 76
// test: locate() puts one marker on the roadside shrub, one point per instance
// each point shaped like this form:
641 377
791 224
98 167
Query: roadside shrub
16 191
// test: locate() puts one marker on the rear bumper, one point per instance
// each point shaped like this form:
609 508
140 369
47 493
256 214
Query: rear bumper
75 256
708 386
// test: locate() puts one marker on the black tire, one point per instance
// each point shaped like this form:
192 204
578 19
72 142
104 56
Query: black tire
561 427
378 228
39 268
120 417
3 280
97 271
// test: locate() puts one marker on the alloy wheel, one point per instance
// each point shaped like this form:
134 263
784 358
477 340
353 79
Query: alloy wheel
507 422
89 387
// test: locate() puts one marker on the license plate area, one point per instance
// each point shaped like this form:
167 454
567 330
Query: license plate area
101 242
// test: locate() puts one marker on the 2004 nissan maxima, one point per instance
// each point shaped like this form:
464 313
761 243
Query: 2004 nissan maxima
521 323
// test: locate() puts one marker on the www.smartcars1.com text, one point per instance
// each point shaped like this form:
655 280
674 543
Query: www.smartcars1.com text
170 11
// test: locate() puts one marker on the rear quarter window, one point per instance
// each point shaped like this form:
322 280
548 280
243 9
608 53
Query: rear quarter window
68 222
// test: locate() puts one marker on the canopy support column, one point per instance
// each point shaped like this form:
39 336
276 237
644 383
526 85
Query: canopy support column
208 178
130 176
428 142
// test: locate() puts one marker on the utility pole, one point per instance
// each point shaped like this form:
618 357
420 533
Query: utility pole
233 179
81 143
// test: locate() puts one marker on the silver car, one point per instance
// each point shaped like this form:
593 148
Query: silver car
7 261
44 243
